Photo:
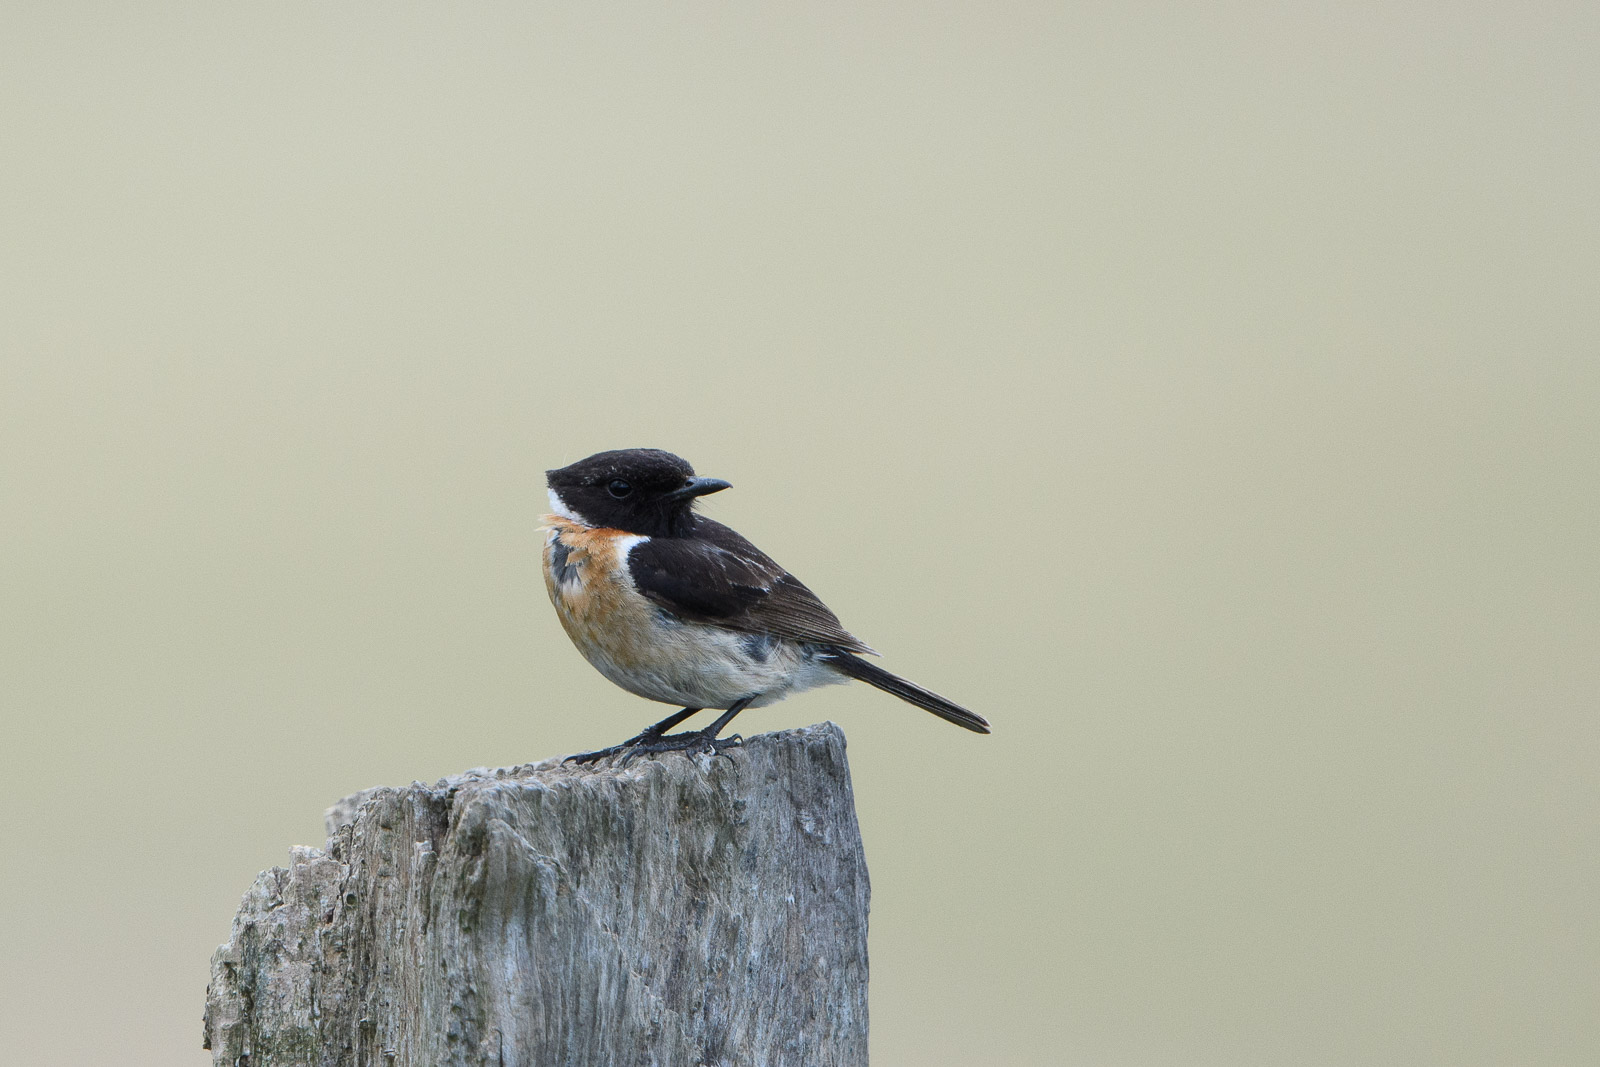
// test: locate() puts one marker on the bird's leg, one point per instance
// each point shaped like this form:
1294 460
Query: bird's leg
695 742
653 733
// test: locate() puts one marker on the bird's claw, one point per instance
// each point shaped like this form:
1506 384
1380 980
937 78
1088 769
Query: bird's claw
690 743
625 749
583 758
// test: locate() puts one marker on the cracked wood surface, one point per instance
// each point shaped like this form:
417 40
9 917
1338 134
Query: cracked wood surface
708 911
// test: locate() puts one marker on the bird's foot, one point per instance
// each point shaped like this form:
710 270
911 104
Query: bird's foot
652 741
615 750
690 743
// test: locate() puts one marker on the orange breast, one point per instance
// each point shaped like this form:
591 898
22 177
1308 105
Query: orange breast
585 573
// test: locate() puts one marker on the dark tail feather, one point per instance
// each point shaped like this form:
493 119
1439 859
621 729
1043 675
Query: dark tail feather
910 692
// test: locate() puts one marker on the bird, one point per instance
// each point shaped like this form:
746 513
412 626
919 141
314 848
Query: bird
678 608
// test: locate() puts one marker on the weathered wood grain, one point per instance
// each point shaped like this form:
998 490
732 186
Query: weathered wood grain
675 912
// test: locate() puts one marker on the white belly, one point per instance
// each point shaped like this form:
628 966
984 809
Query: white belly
700 666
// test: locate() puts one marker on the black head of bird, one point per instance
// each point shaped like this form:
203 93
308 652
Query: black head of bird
639 490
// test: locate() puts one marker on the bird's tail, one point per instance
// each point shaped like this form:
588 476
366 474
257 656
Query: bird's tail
910 692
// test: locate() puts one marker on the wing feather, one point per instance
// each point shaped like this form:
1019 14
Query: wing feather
718 577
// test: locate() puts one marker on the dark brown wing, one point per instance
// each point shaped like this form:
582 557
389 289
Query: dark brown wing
718 577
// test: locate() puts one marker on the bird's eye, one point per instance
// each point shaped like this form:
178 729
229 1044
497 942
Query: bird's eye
619 488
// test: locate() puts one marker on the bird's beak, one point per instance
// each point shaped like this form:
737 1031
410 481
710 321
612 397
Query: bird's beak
699 487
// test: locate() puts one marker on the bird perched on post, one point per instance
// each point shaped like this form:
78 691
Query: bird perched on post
675 607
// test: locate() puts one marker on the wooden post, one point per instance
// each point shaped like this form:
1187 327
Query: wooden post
675 913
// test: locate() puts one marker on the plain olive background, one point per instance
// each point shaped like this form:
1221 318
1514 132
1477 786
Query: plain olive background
1207 395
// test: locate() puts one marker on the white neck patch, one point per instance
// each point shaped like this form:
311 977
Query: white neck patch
559 506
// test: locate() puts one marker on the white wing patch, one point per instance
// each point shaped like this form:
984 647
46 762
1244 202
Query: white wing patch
624 546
